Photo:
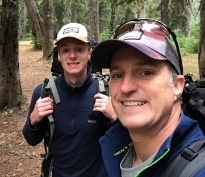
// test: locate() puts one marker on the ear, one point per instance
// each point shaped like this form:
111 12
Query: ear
178 86
89 53
59 57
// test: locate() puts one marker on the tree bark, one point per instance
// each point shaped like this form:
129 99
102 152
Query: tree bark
10 89
94 20
141 11
165 12
201 58
23 20
48 28
187 16
112 16
36 22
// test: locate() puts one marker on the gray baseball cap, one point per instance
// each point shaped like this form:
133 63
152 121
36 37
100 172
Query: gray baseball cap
153 44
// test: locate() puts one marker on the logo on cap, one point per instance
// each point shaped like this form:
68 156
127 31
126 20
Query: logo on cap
71 30
133 35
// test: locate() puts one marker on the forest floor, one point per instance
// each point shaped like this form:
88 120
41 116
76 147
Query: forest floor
17 158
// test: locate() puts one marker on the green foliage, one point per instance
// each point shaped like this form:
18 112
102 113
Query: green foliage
152 9
38 43
189 44
66 11
106 34
29 37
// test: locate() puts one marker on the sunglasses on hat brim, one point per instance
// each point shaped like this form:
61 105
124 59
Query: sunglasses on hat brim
146 25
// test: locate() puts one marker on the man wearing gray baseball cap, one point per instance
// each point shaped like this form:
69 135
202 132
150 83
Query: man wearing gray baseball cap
146 84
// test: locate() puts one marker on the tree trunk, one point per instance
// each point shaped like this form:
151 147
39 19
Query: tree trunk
74 10
36 22
94 20
112 17
48 28
165 12
187 16
141 11
201 58
10 89
23 20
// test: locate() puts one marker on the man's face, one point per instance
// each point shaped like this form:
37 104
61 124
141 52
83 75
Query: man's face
142 92
73 55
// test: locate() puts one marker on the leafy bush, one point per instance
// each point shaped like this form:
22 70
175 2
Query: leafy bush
106 34
189 44
29 37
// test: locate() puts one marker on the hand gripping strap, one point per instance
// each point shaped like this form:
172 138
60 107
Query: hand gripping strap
52 85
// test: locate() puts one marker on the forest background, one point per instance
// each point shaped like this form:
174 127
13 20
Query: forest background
40 20
28 29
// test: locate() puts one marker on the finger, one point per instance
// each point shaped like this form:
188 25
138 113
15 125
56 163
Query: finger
46 99
100 96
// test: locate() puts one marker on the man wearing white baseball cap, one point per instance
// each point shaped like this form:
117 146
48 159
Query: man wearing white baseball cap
75 144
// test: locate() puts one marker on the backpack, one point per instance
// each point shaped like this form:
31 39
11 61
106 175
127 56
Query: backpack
188 162
193 99
49 90
191 159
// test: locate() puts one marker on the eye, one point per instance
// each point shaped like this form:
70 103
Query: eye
146 74
65 50
116 76
79 49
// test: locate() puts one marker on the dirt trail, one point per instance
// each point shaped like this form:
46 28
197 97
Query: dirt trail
18 159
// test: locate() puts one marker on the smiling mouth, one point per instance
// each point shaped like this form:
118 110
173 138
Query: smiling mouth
133 103
73 65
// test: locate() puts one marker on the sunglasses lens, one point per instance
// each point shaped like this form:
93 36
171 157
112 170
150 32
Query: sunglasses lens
148 26
124 29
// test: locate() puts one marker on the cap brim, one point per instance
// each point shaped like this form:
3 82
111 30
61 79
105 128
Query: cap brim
102 53
72 36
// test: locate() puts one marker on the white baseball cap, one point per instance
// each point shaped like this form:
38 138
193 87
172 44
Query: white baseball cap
74 30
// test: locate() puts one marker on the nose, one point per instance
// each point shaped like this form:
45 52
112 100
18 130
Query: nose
128 85
72 54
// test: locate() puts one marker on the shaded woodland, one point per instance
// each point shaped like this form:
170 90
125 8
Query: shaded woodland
40 20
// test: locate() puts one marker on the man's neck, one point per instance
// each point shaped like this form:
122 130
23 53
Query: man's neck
147 143
75 80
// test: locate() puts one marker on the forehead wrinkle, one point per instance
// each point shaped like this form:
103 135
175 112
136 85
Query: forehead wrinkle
145 61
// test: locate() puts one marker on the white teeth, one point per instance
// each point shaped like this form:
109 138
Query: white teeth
133 103
73 65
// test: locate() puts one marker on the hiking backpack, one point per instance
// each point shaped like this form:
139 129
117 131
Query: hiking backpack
192 158
193 99
49 90
188 162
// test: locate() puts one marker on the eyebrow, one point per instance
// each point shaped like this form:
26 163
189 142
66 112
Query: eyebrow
151 62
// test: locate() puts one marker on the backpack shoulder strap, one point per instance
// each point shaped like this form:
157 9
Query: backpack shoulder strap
188 162
102 83
49 90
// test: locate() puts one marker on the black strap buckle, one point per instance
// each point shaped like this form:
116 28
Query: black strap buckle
189 154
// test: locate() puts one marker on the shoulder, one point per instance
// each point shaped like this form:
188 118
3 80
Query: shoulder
200 173
37 92
37 89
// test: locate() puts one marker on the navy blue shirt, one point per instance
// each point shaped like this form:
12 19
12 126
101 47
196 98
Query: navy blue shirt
116 142
75 144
